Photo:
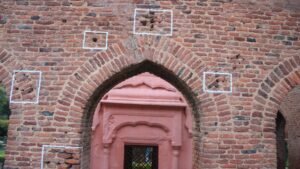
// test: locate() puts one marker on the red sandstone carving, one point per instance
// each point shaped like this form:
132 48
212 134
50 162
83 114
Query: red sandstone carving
142 110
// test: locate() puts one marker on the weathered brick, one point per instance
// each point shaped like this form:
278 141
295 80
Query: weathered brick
292 38
47 113
248 151
24 26
35 17
279 37
249 39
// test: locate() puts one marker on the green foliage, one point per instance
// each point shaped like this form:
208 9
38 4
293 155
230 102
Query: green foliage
4 112
4 105
2 155
3 127
147 165
4 115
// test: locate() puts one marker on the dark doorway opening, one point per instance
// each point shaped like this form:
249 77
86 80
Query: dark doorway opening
282 150
140 157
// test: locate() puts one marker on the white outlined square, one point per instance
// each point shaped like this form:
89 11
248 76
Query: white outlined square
218 79
45 147
151 20
25 86
95 40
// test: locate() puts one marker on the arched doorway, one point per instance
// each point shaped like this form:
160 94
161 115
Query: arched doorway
279 92
281 142
287 130
142 123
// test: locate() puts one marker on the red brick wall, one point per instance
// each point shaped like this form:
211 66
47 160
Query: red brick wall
257 41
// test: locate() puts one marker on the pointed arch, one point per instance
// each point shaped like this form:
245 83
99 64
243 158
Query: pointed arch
158 55
275 87
268 98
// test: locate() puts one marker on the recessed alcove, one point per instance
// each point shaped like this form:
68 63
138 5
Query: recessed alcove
143 110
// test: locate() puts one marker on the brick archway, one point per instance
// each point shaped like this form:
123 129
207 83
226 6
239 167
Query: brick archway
7 63
275 87
273 90
160 56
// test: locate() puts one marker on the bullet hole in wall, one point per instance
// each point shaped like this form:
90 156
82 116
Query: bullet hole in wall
95 39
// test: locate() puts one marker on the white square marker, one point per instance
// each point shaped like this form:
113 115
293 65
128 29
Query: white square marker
45 147
157 22
25 86
95 40
217 82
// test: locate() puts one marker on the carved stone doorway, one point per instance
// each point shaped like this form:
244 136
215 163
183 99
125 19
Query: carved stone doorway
142 112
